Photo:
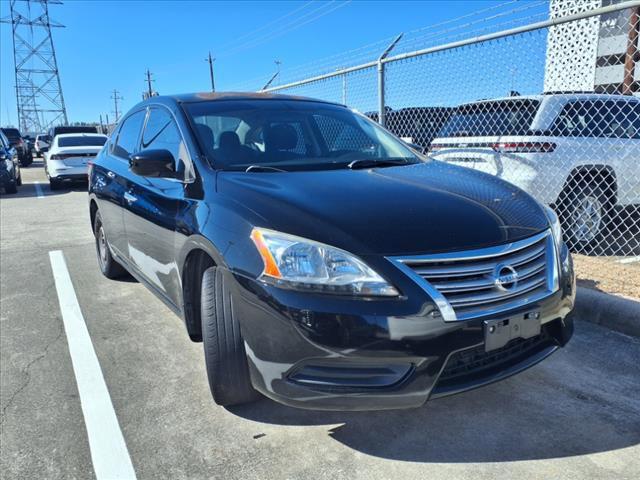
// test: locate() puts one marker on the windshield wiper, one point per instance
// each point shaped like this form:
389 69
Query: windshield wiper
262 168
371 163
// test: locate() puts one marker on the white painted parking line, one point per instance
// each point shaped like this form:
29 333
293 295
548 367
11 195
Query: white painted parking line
630 260
109 452
39 191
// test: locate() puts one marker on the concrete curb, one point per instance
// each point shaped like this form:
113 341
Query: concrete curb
617 313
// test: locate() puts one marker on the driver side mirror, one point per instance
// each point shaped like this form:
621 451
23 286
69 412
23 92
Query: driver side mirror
153 163
3 155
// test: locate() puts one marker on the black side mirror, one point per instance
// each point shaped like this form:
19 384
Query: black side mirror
153 163
3 155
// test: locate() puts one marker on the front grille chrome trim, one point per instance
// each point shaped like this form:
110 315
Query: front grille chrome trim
460 298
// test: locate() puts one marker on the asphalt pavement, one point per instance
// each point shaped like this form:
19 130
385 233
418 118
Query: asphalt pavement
575 416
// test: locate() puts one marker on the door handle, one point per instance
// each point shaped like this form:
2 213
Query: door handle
129 198
110 174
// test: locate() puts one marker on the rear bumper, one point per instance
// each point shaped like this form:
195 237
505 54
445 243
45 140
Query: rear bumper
58 171
318 352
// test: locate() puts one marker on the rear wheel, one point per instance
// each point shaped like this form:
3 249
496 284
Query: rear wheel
54 184
109 267
224 352
19 179
585 215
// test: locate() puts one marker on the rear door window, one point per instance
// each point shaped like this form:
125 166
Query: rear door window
128 135
598 118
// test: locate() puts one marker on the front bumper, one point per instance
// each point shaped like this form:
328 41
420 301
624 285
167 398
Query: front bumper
321 352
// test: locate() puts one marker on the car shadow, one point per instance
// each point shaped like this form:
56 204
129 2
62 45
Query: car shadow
528 417
29 189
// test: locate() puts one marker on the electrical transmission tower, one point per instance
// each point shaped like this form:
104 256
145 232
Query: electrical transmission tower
115 97
38 90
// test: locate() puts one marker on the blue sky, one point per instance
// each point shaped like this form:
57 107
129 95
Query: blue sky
109 44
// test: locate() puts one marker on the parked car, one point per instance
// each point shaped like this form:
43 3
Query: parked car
10 177
41 145
15 139
67 159
46 140
577 152
321 261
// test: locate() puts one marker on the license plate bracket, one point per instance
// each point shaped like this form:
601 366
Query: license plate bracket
497 333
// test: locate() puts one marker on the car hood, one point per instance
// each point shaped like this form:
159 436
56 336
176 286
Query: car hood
423 208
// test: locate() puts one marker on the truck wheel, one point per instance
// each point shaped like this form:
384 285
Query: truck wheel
109 267
224 353
585 215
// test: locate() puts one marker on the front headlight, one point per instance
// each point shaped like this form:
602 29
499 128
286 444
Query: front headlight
556 229
301 264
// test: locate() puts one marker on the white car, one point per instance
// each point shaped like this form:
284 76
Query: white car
67 158
579 153
40 145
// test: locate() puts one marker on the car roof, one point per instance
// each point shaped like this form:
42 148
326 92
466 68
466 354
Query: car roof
558 96
79 134
216 96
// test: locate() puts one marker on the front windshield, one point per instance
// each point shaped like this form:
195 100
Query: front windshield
291 135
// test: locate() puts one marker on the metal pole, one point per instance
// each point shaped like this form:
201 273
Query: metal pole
632 51
381 100
344 89
149 90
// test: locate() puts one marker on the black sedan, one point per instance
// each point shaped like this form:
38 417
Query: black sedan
25 156
321 261
10 175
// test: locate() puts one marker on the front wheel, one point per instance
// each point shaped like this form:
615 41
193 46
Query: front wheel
109 267
224 352
11 187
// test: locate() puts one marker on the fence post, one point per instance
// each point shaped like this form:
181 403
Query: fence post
381 100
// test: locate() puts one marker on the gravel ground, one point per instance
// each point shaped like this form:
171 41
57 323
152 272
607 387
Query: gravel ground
607 274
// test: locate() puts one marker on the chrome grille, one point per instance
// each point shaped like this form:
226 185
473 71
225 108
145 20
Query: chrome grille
475 283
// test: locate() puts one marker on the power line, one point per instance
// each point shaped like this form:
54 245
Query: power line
259 29
293 25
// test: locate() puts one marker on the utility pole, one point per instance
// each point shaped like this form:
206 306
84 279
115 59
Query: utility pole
274 76
38 88
211 60
278 63
115 98
149 80
632 56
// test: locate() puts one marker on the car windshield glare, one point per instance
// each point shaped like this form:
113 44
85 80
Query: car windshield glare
249 135
81 141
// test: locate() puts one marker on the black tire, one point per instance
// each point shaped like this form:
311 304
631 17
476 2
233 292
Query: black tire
11 187
224 353
585 215
109 267
19 180
54 184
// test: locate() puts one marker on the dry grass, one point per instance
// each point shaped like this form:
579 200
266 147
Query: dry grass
607 275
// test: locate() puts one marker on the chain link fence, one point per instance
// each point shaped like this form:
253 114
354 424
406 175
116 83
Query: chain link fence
551 106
